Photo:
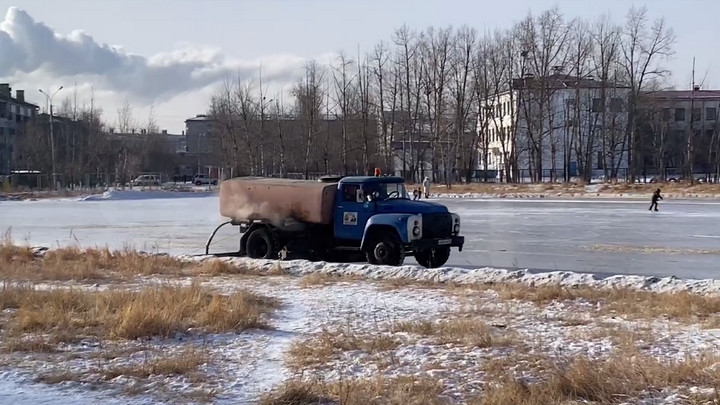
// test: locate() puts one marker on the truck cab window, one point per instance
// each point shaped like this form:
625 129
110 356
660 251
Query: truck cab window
350 192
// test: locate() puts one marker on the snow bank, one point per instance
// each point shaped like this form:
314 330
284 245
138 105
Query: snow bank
481 275
145 195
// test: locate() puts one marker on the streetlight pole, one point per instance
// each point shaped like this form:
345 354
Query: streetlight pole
52 135
263 103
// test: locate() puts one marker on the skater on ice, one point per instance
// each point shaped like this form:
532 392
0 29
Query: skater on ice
655 197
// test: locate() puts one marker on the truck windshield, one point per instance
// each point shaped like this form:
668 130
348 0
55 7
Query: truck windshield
391 190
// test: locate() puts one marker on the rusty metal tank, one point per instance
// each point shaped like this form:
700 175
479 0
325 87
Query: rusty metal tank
252 198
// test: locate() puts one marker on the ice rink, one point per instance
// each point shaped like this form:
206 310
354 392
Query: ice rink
599 236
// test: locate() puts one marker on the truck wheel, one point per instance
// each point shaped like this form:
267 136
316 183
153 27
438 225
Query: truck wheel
386 248
434 257
261 245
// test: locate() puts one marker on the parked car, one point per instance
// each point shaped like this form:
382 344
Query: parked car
201 179
146 180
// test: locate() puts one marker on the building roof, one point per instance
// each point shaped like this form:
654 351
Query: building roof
684 94
199 117
561 81
16 101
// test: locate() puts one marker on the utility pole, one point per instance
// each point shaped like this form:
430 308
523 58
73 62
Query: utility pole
692 124
52 136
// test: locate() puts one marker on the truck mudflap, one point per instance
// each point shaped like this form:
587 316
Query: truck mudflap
455 241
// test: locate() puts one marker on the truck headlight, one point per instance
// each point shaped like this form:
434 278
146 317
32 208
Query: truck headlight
414 227
456 224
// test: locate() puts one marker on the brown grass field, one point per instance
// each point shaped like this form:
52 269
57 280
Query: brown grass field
43 313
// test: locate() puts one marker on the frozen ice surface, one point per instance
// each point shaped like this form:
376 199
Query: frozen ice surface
540 235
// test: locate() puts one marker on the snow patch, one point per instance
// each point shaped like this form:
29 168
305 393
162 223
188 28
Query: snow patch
116 195
446 275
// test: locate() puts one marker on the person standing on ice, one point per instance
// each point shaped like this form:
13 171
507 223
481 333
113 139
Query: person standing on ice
426 187
655 197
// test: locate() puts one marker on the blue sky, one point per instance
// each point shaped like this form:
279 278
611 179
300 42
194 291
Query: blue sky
281 34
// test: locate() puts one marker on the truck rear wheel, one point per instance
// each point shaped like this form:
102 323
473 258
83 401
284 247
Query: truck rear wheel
432 258
385 248
262 245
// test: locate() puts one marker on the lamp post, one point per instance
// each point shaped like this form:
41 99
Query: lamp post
263 103
52 135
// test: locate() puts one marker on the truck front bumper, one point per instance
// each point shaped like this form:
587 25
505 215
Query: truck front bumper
422 244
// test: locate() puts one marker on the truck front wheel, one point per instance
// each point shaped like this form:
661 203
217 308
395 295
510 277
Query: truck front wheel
261 245
385 248
432 258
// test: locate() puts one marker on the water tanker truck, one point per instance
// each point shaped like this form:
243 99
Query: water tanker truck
337 219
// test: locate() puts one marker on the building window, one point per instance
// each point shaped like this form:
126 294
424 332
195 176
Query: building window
679 114
597 105
696 114
616 105
711 114
666 114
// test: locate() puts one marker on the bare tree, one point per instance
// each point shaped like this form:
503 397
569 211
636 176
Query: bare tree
279 114
125 121
365 102
223 114
545 40
343 80
386 86
310 94
246 109
409 71
463 97
643 46
152 127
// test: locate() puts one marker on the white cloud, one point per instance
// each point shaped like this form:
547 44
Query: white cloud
34 56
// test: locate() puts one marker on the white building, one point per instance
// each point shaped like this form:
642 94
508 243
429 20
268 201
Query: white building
554 128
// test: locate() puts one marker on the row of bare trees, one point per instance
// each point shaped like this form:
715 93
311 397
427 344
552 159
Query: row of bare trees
415 103
88 152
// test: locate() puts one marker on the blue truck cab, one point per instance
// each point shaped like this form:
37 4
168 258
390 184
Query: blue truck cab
376 215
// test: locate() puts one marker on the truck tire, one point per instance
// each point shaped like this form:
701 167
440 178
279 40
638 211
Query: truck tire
261 245
433 258
385 248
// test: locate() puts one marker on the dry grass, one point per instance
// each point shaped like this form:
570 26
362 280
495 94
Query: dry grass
407 390
318 280
324 279
69 314
500 189
219 267
470 332
614 380
322 348
58 377
626 338
73 263
185 362
19 263
30 345
679 306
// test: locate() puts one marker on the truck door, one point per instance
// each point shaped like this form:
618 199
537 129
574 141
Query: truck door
352 213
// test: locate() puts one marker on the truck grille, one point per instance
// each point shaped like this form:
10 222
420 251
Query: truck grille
436 226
